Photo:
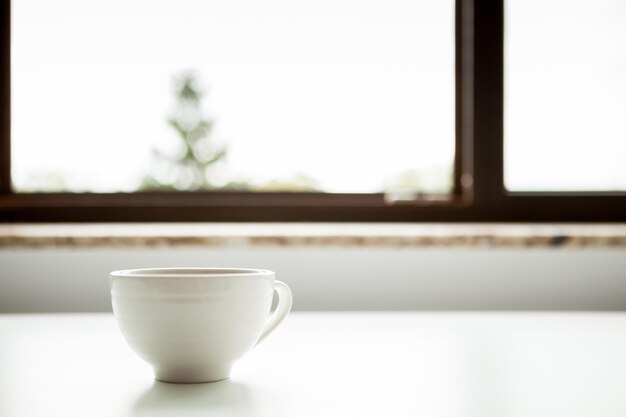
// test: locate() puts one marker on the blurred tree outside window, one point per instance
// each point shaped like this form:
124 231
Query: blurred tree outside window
262 100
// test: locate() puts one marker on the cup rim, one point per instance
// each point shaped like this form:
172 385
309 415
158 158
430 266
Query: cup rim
190 272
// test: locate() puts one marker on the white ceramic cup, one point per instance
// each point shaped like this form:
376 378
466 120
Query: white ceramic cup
192 324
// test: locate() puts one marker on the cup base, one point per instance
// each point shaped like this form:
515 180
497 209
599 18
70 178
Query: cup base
192 376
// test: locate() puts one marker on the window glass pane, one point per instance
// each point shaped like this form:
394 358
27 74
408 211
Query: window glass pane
327 95
565 95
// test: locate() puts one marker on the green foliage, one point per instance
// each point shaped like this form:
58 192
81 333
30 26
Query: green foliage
430 179
299 182
192 167
45 182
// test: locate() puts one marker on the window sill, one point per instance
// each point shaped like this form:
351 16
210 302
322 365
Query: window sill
311 234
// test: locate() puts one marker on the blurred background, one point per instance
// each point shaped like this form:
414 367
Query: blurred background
273 95
333 96
328 96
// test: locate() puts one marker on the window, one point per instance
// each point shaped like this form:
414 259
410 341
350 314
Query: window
363 120
330 95
565 85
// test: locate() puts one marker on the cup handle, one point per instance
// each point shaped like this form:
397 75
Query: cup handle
285 300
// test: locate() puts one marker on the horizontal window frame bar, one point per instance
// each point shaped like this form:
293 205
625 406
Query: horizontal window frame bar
299 207
207 199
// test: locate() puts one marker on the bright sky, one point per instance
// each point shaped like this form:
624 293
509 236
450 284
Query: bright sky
348 92
565 95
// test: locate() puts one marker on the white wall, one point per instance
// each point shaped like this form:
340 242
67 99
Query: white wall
330 278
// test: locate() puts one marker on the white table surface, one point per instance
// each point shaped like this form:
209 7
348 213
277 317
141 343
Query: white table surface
332 364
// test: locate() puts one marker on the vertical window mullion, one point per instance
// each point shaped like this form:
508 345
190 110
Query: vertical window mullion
464 104
488 105
5 97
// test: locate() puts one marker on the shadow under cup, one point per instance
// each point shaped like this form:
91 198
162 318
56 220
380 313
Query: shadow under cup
192 324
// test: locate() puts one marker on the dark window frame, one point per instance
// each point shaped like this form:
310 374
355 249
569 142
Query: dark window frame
478 193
